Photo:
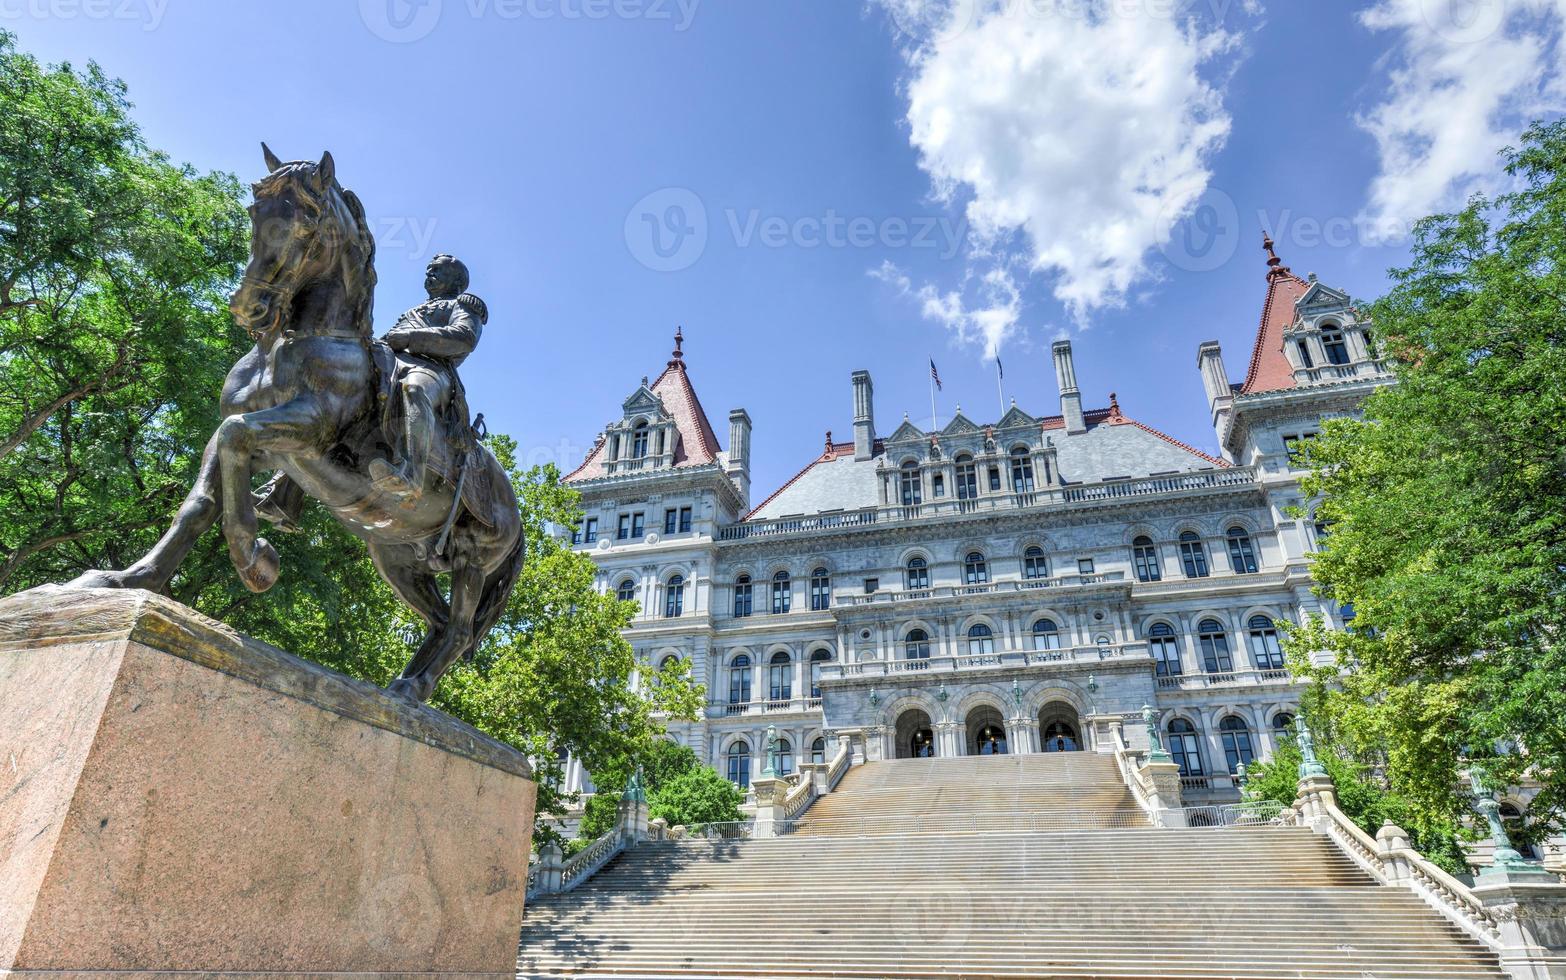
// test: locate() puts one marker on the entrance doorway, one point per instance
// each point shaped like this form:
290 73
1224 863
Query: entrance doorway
986 732
1060 730
915 736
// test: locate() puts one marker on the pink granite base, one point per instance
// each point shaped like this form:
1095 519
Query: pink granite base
175 797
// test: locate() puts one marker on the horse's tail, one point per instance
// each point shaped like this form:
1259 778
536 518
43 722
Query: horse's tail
496 591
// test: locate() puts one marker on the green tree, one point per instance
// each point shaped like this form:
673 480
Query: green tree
115 267
1447 509
700 796
659 763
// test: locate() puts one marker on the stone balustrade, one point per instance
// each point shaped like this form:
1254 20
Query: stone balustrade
1117 652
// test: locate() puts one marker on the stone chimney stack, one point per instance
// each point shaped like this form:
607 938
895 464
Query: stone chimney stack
1070 397
864 416
1220 396
739 452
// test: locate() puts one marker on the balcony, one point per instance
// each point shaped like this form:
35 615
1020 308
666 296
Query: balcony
988 588
1123 653
1227 678
735 709
1087 493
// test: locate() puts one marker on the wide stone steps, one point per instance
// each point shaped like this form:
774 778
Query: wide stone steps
920 869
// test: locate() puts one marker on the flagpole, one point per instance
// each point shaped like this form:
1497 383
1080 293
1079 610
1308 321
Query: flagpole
935 422
1000 385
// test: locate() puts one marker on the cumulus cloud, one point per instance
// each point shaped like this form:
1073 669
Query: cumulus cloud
991 319
1077 132
1464 78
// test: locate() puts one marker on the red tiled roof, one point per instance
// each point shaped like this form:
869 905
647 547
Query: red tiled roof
697 444
1270 368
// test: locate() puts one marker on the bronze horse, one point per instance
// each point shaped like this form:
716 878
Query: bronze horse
308 401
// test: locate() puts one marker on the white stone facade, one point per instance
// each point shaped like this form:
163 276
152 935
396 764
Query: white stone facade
1018 585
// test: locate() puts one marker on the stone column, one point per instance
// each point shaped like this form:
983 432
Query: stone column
769 791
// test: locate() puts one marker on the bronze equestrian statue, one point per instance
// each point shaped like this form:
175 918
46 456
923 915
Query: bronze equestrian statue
376 430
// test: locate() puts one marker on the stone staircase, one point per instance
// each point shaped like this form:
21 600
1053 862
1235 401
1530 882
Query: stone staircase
1011 866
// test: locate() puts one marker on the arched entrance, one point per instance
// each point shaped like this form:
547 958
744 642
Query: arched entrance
1060 729
986 731
915 736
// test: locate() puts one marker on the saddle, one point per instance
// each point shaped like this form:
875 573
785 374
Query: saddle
457 456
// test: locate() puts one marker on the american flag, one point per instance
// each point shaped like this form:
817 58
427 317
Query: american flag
936 376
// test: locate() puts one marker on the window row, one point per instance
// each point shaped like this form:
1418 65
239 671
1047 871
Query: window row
782 593
1016 473
780 676
737 759
1213 645
1234 735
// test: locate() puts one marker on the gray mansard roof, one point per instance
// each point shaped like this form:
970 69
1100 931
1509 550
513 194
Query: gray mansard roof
1113 446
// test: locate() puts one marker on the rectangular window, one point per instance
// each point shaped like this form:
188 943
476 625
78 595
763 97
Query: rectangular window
671 520
685 520
872 586
638 525
624 532
1085 566
1305 358
938 485
995 479
590 535
1295 446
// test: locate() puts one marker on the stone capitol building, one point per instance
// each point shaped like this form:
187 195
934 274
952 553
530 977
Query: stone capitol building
1015 585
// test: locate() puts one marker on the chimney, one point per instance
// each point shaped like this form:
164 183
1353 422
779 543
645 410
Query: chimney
739 452
1220 396
864 416
1070 397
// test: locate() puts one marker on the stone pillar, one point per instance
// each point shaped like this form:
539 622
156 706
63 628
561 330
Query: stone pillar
1529 908
550 859
769 791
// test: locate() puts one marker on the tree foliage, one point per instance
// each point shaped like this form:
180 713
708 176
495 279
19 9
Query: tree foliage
115 266
679 789
1447 509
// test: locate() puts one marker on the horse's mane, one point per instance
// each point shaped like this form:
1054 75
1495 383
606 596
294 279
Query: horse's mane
335 195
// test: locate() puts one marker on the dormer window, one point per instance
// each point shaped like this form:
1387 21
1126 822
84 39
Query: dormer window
1333 343
1306 361
639 441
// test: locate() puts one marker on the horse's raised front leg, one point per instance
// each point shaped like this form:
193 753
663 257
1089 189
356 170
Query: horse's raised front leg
196 514
292 427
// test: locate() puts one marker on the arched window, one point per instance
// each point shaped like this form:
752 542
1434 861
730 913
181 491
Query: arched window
785 757
1046 635
739 680
1517 829
626 592
916 648
1166 650
1034 565
780 677
1237 749
1192 555
1242 554
639 441
820 590
744 596
912 491
818 660
818 751
1186 748
739 764
981 640
967 478
674 597
1215 647
918 574
1144 555
1265 651
975 570
1332 342
1283 723
1021 470
782 593
664 666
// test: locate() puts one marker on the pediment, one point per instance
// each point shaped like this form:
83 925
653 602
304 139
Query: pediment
960 425
907 432
643 402
1320 297
1017 419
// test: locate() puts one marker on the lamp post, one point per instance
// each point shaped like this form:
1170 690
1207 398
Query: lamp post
1507 860
1309 766
771 770
1155 744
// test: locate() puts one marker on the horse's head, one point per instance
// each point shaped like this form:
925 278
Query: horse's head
306 231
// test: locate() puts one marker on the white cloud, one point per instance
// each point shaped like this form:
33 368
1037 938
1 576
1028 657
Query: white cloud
1084 125
1465 77
991 321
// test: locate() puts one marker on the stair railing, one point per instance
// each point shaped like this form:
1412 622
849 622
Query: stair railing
1162 805
1390 859
556 874
839 766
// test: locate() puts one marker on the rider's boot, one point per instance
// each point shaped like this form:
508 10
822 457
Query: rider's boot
281 502
405 477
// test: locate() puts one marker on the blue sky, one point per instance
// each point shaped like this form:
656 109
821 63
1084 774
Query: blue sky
815 186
